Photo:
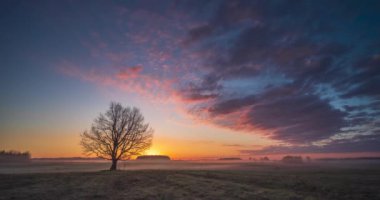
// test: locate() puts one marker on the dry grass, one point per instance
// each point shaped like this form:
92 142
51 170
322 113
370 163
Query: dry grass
260 182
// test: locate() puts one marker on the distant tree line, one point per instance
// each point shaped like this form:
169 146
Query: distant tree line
292 159
153 157
231 158
8 156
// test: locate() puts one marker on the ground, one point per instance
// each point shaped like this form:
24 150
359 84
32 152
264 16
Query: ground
249 181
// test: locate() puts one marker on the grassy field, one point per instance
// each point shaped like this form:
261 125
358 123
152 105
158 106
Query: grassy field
250 181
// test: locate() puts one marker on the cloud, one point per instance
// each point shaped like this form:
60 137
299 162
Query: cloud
366 79
294 72
129 72
129 79
208 89
300 46
239 145
232 105
297 118
286 113
197 33
363 143
233 145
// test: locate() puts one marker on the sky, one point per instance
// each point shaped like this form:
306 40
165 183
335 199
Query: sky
213 78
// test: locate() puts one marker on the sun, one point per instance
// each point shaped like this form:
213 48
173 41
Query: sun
152 152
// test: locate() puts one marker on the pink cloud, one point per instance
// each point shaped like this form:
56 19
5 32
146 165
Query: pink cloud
129 79
159 39
130 72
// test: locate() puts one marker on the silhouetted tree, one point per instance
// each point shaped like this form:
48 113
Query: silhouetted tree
117 135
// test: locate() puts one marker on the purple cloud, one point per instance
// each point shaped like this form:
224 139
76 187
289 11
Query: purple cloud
302 44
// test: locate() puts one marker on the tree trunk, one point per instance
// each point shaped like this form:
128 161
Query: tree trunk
114 165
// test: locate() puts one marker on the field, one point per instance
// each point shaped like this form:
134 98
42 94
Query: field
190 180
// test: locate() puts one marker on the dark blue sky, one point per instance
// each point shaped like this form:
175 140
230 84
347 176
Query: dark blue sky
303 76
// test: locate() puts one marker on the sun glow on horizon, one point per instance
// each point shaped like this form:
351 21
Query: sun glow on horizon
152 152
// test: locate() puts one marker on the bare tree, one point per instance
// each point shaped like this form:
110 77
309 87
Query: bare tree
117 135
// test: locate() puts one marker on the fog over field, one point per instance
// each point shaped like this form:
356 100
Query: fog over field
191 180
73 165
